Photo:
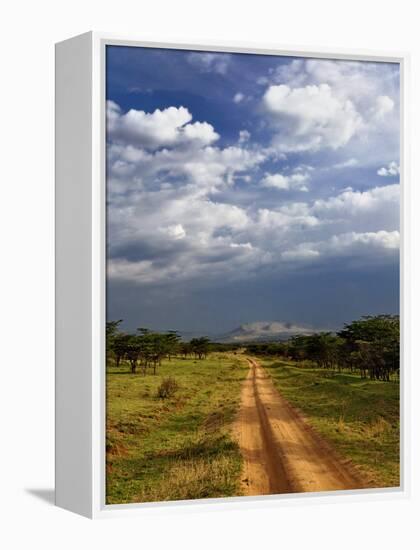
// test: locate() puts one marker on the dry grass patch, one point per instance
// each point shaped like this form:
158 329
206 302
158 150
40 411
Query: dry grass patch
378 428
194 478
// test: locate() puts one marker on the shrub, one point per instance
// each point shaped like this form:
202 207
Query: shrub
167 388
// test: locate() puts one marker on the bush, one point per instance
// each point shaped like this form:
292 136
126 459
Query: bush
167 388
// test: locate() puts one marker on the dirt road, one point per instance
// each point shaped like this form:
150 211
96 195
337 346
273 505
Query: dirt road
282 454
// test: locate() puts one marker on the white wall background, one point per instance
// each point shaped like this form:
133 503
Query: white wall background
28 32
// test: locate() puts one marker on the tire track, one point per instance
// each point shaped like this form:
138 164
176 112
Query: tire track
281 452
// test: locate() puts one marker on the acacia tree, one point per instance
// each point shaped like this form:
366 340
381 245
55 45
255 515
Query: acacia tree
145 347
200 347
172 343
185 349
324 349
148 355
119 347
298 348
133 348
373 344
155 346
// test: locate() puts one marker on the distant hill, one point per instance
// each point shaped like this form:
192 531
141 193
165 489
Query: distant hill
263 331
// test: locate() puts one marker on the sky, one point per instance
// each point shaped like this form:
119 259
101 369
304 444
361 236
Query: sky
246 188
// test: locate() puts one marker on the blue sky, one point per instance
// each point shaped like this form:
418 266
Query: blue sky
245 188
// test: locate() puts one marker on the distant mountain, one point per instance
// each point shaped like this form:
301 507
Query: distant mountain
263 331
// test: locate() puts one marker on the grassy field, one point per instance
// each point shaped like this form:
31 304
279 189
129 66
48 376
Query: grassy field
359 417
179 447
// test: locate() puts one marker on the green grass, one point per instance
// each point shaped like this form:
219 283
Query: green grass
175 448
359 417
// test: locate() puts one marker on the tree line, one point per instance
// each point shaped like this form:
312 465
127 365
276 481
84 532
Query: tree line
146 349
369 346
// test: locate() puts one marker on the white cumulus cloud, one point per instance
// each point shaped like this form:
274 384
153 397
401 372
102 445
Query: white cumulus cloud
332 104
167 127
392 169
356 202
286 182
311 117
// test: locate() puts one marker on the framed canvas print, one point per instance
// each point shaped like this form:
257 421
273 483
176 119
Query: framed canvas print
229 297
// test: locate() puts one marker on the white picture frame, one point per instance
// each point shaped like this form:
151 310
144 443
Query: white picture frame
80 277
